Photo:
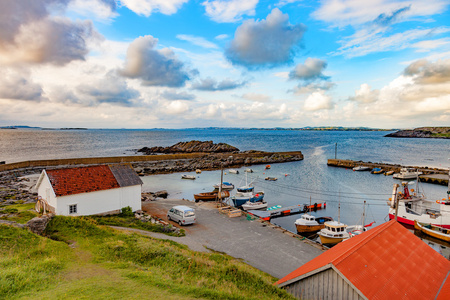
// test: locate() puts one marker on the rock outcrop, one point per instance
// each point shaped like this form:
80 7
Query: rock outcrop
38 224
423 132
190 147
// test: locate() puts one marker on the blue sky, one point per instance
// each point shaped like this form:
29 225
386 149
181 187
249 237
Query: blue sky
184 63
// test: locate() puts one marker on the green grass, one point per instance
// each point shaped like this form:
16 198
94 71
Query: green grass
132 222
20 213
83 260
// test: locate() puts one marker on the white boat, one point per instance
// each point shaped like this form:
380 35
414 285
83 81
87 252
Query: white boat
407 173
271 178
361 168
248 170
233 171
254 205
225 186
413 205
309 224
192 177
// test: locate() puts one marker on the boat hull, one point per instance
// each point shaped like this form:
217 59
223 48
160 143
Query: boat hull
327 240
210 196
308 228
439 233
410 222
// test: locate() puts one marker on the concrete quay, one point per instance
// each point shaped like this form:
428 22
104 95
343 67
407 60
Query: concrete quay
262 245
430 175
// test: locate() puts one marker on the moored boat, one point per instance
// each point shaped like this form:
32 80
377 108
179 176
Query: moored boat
233 171
271 178
211 196
412 205
376 171
407 173
310 224
192 177
387 173
333 233
254 205
433 230
225 186
361 168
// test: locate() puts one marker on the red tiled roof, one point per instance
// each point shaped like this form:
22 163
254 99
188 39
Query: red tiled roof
81 180
386 262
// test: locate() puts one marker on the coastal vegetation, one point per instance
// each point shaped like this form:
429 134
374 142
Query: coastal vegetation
423 132
78 258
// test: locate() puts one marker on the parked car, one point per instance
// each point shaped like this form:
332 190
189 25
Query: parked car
181 214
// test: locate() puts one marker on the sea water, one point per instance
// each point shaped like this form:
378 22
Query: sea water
298 182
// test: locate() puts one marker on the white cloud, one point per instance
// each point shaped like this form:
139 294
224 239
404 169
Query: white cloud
210 84
177 107
16 84
196 40
318 101
267 42
29 34
147 7
365 94
152 66
426 46
311 70
342 13
256 97
221 37
229 11
99 9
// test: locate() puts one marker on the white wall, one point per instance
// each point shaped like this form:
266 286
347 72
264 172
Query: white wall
45 191
100 201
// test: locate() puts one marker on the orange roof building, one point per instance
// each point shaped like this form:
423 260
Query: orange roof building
386 262
90 190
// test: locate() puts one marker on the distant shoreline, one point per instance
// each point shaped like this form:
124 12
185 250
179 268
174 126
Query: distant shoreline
423 132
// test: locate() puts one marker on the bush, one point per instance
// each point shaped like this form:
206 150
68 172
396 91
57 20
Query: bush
127 212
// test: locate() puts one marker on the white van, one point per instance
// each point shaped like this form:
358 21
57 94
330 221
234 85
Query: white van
181 214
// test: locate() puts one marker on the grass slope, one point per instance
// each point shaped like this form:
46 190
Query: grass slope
84 260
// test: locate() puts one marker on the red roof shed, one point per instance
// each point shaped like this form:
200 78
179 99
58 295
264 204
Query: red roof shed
386 262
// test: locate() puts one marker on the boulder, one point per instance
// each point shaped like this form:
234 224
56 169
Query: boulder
38 224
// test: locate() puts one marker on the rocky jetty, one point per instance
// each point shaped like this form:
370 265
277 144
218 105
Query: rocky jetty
423 132
190 147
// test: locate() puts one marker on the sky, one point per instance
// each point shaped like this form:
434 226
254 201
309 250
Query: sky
224 63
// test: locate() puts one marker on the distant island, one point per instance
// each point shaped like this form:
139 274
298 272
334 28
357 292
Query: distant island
423 132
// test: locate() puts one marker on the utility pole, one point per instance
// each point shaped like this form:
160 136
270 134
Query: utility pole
335 151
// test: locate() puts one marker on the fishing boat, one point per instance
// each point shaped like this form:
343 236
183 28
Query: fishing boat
407 173
309 224
211 196
225 186
254 205
241 198
271 178
333 233
376 171
192 177
361 168
408 205
433 230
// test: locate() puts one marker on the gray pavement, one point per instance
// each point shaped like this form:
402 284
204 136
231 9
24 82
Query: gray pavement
262 246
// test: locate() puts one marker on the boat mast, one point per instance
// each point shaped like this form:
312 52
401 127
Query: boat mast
364 213
310 204
339 208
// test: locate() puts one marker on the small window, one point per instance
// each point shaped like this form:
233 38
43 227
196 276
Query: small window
72 209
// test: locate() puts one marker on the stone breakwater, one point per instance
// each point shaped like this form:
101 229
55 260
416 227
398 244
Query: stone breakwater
430 175
214 162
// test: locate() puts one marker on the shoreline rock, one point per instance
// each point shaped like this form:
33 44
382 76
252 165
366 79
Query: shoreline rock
190 147
423 132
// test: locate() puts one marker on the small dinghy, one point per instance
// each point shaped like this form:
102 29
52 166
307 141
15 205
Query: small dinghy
254 205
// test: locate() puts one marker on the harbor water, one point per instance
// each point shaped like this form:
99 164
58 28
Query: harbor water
297 183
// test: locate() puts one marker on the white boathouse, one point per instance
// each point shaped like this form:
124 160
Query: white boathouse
81 191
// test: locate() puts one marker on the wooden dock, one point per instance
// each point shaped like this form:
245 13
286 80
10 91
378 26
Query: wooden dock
286 211
430 175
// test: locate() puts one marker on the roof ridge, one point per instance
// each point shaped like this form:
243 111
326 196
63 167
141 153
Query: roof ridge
363 241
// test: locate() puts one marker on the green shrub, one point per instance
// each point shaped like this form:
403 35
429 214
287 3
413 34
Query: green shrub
127 212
